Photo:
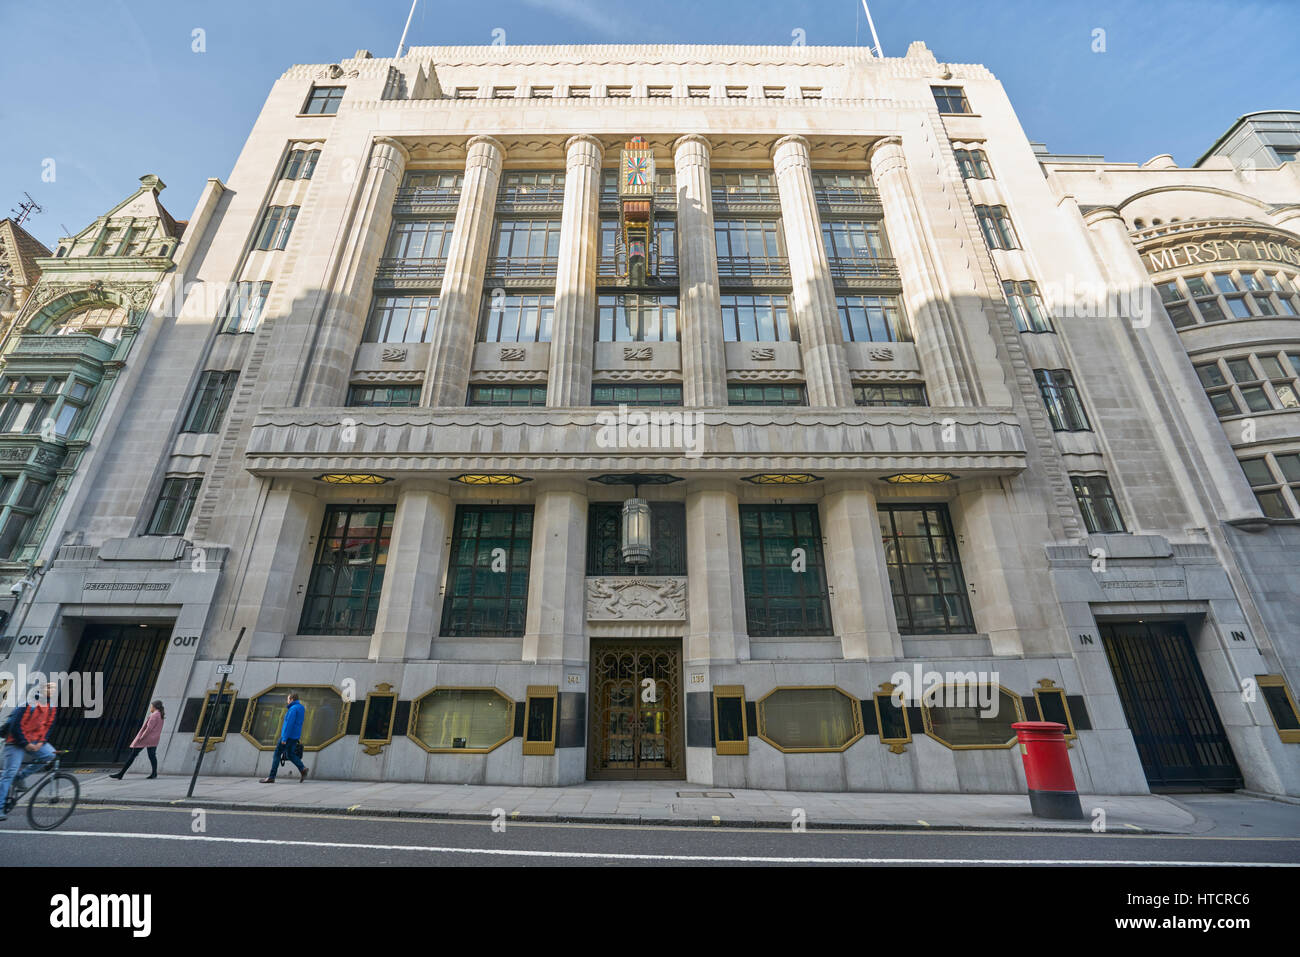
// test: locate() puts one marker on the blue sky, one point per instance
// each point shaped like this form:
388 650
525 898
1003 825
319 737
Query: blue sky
111 89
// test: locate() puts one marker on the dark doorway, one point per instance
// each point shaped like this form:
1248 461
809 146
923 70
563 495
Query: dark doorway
129 656
1179 736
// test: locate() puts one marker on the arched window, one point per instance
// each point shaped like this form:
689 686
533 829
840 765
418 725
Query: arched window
102 319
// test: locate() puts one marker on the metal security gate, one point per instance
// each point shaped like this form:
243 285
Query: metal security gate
1179 736
636 710
129 657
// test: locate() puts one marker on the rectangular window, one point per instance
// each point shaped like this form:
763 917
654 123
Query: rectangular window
208 407
1233 295
756 319
730 722
300 164
605 540
853 239
517 318
784 572
20 514
843 186
765 393
402 319
1064 407
1176 305
888 396
171 513
324 100
950 99
348 574
636 318
636 393
524 243
1281 705
995 224
1283 292
1219 389
532 186
872 319
384 396
974 164
541 715
244 307
1207 299
277 224
749 247
925 575
1268 487
1027 306
507 395
420 239
487 577
743 184
1250 385
1097 503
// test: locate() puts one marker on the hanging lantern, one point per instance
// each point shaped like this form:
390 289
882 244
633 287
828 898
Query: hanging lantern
636 531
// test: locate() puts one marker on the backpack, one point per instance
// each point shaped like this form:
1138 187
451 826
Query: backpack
11 722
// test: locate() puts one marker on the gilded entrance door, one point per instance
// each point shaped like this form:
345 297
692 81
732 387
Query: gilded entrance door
636 710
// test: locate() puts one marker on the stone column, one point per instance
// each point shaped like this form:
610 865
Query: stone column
330 366
716 628
573 332
280 557
409 609
933 325
555 627
812 299
446 381
862 605
704 359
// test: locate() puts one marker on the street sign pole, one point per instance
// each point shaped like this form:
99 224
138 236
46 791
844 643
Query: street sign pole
225 671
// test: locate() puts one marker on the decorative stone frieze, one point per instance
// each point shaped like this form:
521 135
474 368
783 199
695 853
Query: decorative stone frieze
636 599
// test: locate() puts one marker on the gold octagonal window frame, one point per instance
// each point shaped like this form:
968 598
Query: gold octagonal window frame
284 688
219 734
1002 689
855 710
415 716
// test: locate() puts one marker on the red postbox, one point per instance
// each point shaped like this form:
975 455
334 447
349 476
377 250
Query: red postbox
1047 770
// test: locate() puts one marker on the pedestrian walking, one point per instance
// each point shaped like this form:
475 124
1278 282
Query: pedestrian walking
147 739
290 746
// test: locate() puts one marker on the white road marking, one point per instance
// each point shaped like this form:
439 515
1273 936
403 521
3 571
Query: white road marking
608 856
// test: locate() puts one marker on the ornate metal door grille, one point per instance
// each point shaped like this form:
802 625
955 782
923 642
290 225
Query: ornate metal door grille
636 710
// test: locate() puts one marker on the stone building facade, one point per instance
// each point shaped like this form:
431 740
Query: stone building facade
388 464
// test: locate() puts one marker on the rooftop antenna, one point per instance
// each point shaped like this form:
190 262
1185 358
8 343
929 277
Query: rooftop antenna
26 209
875 50
401 44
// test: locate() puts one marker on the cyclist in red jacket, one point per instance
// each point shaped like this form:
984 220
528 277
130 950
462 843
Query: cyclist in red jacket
28 728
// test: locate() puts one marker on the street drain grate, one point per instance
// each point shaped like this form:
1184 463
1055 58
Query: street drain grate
705 794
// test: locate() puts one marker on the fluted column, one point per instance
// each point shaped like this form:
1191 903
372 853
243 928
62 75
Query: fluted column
812 299
573 331
931 319
554 628
717 629
446 380
330 366
704 358
862 605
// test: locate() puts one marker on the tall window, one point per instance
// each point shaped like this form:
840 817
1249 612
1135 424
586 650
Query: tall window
32 401
171 513
853 239
300 164
748 246
785 574
995 223
21 498
1064 407
277 224
974 164
950 99
420 239
766 393
208 407
872 319
662 255
384 396
528 239
1272 481
402 319
507 395
895 396
487 577
636 393
925 574
348 574
605 540
756 319
517 318
324 100
636 318
244 306
1027 306
1097 503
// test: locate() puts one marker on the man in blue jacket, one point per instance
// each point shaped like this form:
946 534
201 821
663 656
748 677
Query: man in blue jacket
290 745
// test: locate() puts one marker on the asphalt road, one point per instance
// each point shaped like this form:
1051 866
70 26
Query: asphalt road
105 836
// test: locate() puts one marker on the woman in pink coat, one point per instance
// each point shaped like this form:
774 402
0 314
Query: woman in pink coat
148 738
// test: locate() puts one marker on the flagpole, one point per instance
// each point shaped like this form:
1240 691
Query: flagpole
402 42
874 39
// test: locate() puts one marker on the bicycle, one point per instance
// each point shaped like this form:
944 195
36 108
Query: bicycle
53 796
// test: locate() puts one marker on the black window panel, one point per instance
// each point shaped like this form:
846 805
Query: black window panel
925 576
637 393
541 719
378 716
171 513
1061 397
384 396
893 717
208 407
950 99
324 100
507 395
487 576
779 600
731 718
896 396
765 393
348 575
667 540
1097 503
1280 706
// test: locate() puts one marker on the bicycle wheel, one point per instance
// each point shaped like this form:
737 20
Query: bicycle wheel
53 801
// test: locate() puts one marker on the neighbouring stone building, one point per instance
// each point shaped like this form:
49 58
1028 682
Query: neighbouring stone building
553 413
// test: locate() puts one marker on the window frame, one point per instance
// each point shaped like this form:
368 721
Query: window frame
1061 399
187 487
519 551
855 710
730 692
216 387
1107 495
946 97
758 601
539 693
938 530
1021 294
325 101
377 562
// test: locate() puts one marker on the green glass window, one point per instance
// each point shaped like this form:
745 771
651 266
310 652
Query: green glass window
925 574
402 319
348 575
636 318
896 396
765 393
872 319
667 540
1027 306
785 577
637 393
527 395
403 396
487 581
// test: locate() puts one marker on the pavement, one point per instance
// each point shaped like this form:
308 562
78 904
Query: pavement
674 803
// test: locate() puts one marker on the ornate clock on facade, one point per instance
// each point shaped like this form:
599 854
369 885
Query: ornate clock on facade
636 190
